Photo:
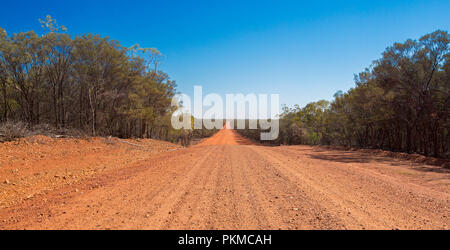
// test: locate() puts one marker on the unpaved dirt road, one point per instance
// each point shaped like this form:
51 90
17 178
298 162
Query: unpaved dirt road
228 183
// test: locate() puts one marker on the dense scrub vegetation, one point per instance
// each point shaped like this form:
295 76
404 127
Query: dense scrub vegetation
401 103
94 85
85 83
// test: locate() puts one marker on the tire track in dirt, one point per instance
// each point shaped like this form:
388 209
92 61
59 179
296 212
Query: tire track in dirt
365 165
251 213
225 212
163 204
370 202
295 207
382 194
318 196
122 201
193 208
48 205
227 183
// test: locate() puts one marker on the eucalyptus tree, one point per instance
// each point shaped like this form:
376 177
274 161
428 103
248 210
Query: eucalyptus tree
3 77
400 103
24 60
87 82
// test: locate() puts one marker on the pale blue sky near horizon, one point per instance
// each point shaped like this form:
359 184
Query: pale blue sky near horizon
303 50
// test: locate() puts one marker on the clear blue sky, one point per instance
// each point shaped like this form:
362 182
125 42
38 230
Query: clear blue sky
303 50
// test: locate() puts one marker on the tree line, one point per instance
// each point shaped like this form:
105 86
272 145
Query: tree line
400 103
87 82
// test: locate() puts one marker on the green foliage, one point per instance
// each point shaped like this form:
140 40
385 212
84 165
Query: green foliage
87 82
401 103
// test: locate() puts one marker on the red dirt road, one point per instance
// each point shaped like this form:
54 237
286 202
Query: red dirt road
227 183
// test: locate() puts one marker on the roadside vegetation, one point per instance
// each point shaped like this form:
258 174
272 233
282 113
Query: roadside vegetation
400 103
56 83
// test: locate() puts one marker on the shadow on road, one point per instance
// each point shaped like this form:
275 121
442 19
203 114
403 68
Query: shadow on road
338 155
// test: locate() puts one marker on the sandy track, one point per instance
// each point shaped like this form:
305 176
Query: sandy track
228 183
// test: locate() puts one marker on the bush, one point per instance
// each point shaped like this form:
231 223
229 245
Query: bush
13 130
